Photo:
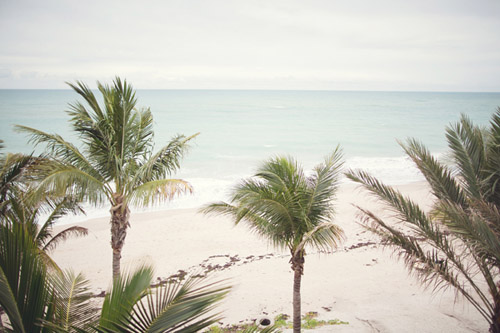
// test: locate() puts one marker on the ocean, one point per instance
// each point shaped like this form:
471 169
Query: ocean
240 129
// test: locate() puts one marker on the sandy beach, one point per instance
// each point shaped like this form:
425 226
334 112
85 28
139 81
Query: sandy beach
361 283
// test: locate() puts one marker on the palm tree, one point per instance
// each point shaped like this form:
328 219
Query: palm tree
290 209
457 243
116 163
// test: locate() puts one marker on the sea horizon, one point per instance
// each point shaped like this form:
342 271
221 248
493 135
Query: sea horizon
271 90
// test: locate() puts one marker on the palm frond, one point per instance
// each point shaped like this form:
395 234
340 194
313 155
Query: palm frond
178 308
473 229
75 231
24 274
440 178
404 208
84 91
493 160
57 147
468 148
14 172
324 236
74 309
165 162
257 224
127 290
158 191
322 187
141 133
57 208
433 267
9 303
67 180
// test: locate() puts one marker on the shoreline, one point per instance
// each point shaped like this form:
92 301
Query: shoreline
360 282
95 213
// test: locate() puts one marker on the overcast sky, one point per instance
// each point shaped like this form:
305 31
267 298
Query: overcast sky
439 45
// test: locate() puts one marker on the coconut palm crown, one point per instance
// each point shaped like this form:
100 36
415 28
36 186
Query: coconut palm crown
457 243
115 163
290 209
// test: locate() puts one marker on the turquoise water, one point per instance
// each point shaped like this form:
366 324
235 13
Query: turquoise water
239 129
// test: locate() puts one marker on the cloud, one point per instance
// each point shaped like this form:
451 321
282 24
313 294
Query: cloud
245 44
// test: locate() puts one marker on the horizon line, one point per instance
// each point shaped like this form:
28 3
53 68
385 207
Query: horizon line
275 90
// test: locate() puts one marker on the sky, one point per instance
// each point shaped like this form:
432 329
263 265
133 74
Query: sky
395 45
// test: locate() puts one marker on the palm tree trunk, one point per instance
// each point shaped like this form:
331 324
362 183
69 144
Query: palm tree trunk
495 322
298 269
119 224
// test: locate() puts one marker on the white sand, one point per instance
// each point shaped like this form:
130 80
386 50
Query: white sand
365 286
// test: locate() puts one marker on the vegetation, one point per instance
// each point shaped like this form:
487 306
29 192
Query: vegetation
116 163
35 299
18 175
309 321
290 209
245 328
457 243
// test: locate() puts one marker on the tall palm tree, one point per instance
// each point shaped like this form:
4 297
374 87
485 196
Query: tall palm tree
290 209
457 243
116 163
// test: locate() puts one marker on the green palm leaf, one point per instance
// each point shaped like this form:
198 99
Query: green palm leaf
178 308
132 306
74 310
468 149
23 280
158 191
126 292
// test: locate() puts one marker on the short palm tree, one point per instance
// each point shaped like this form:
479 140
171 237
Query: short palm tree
116 163
457 243
290 209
